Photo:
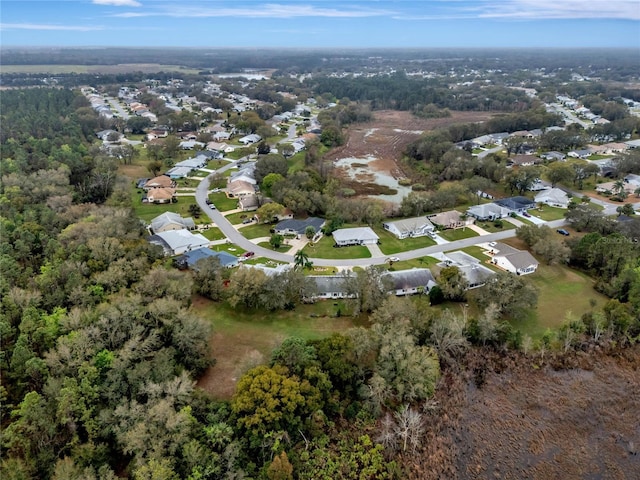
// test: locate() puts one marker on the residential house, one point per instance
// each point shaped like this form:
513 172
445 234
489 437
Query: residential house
220 147
553 156
410 282
170 221
177 242
269 271
470 267
199 161
161 195
355 236
105 134
191 258
449 219
516 204
221 136
512 260
331 286
583 153
523 160
161 181
249 139
191 144
498 138
175 173
488 211
249 203
554 197
410 227
298 227
239 189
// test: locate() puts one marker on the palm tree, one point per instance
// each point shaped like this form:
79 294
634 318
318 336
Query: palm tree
301 260
637 192
619 187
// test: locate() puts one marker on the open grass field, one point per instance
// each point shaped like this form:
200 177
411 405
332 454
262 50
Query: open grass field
242 339
389 244
325 249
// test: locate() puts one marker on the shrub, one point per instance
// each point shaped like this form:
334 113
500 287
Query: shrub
418 187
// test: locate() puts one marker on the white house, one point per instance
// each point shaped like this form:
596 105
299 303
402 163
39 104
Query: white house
331 286
355 236
410 227
513 260
249 139
488 211
170 221
554 197
177 242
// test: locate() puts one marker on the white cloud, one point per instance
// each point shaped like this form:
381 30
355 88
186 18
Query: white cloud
272 10
118 3
561 9
42 26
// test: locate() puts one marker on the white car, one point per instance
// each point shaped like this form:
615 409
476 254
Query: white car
393 259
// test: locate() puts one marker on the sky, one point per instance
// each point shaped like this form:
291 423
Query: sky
321 23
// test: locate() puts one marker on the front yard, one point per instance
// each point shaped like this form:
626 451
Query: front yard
325 249
457 234
547 213
223 203
390 244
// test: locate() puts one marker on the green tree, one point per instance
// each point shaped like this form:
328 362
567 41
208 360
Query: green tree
310 232
452 284
209 276
513 295
276 240
559 172
243 285
301 259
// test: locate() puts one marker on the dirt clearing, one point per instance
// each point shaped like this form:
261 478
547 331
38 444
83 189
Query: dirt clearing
385 138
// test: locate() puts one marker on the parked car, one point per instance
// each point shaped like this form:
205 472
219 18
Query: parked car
562 231
215 190
393 259
212 206
248 254
526 214
247 220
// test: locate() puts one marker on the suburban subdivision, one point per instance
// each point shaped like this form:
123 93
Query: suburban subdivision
338 264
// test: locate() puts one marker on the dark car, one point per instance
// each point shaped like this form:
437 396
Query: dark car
248 254
526 214
562 231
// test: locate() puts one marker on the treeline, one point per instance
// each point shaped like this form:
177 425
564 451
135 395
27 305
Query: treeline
397 91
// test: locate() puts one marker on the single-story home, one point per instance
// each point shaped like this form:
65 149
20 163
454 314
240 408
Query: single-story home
449 219
269 271
409 282
470 267
191 144
410 227
249 139
161 181
523 160
170 221
298 227
583 153
161 195
218 136
175 173
355 236
513 260
488 211
554 197
249 203
553 155
330 286
177 242
191 258
198 161
239 189
516 204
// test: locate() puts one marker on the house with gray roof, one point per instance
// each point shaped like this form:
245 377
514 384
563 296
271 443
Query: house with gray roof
488 211
516 204
168 221
448 219
249 139
331 286
410 227
355 236
470 267
410 282
177 242
298 227
190 259
513 260
554 197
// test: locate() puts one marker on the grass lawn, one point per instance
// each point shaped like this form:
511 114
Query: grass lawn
548 213
217 163
231 248
284 248
478 252
223 203
256 230
421 262
490 227
242 338
187 182
525 220
296 162
457 234
390 244
238 217
148 211
324 249
213 233
562 291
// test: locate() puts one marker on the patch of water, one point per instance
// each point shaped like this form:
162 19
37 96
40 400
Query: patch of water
358 167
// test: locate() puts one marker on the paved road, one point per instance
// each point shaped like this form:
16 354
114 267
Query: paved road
236 237
491 150
115 104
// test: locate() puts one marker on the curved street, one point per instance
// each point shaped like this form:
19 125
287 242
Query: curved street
237 238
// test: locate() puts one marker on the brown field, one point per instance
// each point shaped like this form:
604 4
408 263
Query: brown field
571 419
386 137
